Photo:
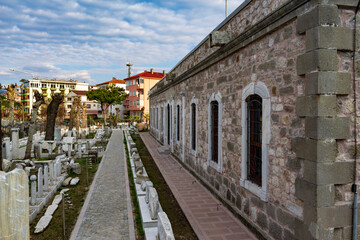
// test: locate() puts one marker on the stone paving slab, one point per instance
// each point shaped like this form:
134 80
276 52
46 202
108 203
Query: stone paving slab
107 211
208 218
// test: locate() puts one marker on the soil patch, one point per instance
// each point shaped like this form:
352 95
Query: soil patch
180 225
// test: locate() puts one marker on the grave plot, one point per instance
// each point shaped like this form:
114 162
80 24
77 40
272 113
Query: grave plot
161 215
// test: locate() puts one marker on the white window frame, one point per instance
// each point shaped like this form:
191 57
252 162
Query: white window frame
216 166
260 89
196 102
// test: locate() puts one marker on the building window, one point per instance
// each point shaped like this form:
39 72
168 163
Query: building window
44 85
53 85
178 122
168 124
254 148
62 86
215 132
193 128
162 119
255 111
214 136
88 105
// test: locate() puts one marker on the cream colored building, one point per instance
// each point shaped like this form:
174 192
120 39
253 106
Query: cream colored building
47 87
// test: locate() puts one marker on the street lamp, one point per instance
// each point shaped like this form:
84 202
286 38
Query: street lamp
11 69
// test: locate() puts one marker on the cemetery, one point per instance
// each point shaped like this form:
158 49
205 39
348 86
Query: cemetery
154 219
44 180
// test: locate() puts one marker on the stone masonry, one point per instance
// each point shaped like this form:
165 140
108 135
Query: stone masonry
298 54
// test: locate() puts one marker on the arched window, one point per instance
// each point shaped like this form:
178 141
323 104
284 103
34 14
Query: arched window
255 139
193 126
254 145
168 127
215 132
178 123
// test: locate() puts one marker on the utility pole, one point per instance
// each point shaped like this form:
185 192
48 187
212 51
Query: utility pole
225 8
129 65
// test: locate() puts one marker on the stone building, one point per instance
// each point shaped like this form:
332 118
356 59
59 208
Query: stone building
262 111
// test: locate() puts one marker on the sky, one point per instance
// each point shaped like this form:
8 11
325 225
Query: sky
91 40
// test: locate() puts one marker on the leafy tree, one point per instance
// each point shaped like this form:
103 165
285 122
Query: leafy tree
106 97
147 116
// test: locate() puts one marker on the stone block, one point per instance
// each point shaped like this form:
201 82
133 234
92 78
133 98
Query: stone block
57 199
328 83
153 203
312 106
219 38
316 150
315 195
164 227
320 15
262 220
67 181
328 37
50 210
274 229
14 192
329 173
147 221
303 231
317 60
43 223
285 218
74 181
325 128
150 233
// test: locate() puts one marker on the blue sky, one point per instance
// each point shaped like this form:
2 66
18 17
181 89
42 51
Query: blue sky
91 40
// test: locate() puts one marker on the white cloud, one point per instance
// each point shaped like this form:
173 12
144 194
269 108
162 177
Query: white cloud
86 38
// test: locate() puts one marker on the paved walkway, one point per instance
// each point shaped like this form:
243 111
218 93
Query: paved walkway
107 211
209 219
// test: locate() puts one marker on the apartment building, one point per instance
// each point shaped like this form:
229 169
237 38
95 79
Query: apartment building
138 87
47 87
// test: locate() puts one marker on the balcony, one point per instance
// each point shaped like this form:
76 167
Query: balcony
140 86
126 103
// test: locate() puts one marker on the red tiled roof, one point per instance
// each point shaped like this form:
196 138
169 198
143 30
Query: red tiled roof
115 81
147 74
79 92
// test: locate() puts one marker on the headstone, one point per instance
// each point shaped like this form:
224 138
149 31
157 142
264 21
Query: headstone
42 224
57 199
153 203
67 181
40 183
149 185
79 151
6 151
51 209
74 181
69 149
46 178
51 170
76 168
14 192
33 190
165 231
15 142
49 146
57 134
37 151
6 165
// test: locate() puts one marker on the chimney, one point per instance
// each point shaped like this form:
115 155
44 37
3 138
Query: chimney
152 70
164 73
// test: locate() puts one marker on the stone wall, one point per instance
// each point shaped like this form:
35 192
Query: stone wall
14 205
301 52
